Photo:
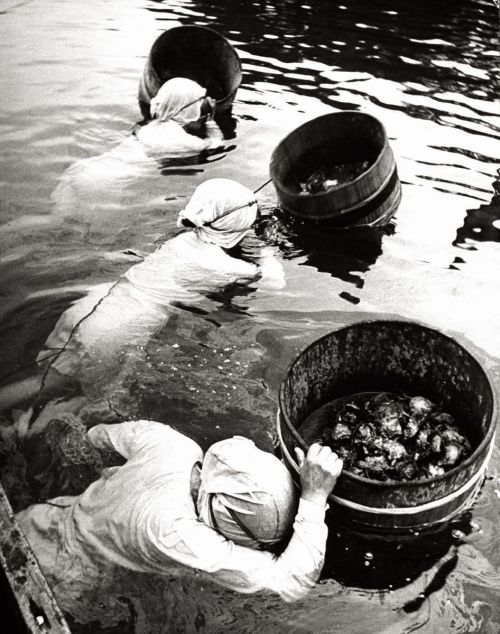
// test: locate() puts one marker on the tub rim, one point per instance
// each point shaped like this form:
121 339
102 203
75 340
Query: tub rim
199 27
372 168
282 415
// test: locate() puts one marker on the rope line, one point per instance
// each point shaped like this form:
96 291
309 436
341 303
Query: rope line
262 186
72 332
55 355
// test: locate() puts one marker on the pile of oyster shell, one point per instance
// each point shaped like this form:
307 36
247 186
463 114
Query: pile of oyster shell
386 436
326 178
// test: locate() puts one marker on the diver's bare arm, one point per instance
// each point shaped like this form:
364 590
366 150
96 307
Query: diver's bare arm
214 137
271 270
24 391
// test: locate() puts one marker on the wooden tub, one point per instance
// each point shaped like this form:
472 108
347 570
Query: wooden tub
393 356
369 199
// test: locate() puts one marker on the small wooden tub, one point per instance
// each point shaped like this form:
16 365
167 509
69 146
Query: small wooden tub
195 52
370 199
393 356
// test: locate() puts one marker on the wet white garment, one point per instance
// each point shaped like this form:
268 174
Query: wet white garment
222 210
105 184
246 493
113 185
101 184
169 139
142 516
113 318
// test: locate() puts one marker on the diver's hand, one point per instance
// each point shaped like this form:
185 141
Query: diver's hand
266 252
211 104
319 470
271 270
214 136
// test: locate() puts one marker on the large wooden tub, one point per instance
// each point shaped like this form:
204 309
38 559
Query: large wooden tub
393 356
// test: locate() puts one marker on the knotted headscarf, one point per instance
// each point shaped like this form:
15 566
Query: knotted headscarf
222 211
246 494
179 99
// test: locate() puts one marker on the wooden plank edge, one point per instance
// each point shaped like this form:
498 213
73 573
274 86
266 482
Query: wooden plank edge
36 602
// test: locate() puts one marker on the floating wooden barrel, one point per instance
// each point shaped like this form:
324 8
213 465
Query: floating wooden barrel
393 356
195 52
339 138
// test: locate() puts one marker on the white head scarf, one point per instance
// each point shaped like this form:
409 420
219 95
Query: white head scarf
179 99
222 210
242 486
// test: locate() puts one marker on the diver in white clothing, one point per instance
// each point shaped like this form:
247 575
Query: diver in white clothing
98 191
99 330
181 120
181 126
170 509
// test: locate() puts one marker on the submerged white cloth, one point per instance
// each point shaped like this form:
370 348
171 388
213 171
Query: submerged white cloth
142 516
114 183
246 493
179 100
105 325
169 139
222 210
107 189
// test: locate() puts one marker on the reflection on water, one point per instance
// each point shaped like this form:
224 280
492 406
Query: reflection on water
430 73
346 254
357 560
481 224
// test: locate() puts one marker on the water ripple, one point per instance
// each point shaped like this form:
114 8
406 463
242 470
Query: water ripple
429 72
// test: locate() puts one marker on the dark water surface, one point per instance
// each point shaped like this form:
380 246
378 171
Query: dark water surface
430 72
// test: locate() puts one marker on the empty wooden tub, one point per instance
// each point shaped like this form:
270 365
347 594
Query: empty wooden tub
195 52
393 356
371 197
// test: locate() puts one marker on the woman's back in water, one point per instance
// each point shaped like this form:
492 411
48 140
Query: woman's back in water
101 191
114 321
115 317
